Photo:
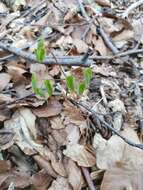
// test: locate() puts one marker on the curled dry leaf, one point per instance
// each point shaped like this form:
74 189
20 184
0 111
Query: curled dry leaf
58 167
105 3
46 165
52 108
23 127
79 154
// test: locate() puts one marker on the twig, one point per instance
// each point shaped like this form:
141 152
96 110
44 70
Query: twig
129 52
131 8
82 9
140 146
65 60
108 41
88 178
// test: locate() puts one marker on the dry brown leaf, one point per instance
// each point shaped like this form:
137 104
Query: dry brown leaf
5 114
75 177
22 127
58 167
105 3
124 36
99 45
76 115
79 154
20 179
46 165
56 123
41 180
60 183
80 45
73 134
115 150
123 178
4 166
4 80
52 108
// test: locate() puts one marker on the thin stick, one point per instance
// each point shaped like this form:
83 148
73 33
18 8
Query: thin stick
82 9
88 178
108 41
65 60
131 8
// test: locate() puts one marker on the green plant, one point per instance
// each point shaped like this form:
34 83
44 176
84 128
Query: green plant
71 82
76 87
40 51
39 91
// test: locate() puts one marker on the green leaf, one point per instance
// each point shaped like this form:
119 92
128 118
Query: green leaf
49 87
87 76
34 82
81 88
35 88
40 52
70 82
40 92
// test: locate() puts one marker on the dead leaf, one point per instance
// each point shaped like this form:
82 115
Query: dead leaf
4 166
75 177
79 154
113 151
41 180
4 80
123 178
105 3
46 165
80 45
52 108
58 167
20 179
56 123
60 184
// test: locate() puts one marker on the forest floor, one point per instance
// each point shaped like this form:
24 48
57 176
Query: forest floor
70 135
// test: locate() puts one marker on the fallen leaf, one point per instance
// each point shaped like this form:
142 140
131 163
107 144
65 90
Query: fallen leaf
56 123
60 184
41 180
105 3
113 151
4 80
79 154
52 108
80 45
123 178
4 166
75 177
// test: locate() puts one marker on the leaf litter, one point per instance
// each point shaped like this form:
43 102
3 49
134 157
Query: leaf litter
58 143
